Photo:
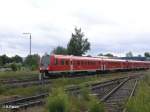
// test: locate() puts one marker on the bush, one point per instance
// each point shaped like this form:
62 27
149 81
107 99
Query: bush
2 89
89 102
13 67
141 102
32 61
96 106
85 93
58 101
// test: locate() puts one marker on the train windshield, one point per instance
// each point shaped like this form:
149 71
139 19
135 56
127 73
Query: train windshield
45 60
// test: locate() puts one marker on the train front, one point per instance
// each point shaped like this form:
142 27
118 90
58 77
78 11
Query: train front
44 66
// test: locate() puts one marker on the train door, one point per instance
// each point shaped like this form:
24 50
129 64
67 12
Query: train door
71 64
103 66
127 65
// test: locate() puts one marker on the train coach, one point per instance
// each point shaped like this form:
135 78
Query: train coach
55 65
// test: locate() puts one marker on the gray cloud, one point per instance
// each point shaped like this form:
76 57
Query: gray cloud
91 18
51 24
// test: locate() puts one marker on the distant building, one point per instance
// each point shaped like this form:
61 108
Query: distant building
3 69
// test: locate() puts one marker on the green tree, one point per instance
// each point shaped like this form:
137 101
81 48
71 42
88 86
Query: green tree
100 54
129 54
1 61
4 60
32 61
147 54
59 50
89 55
78 45
17 59
13 66
109 55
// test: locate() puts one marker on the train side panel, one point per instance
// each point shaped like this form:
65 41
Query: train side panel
61 63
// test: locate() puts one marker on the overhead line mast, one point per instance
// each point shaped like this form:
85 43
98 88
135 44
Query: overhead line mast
30 41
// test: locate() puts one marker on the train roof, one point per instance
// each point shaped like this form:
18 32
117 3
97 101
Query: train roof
86 58
76 57
95 58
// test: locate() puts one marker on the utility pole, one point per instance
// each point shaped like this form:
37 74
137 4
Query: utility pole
30 40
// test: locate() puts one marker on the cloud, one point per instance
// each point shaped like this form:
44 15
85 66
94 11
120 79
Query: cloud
111 26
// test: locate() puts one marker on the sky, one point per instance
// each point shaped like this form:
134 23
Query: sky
111 26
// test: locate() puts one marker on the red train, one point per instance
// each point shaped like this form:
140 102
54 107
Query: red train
58 64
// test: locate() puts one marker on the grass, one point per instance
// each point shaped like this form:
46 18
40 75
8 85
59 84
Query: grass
28 91
96 106
141 102
18 75
60 101
61 82
22 75
77 104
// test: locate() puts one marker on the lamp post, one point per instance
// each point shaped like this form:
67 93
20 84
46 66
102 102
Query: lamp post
30 40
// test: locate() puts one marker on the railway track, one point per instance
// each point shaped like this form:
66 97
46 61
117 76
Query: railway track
27 83
10 81
99 88
30 82
115 99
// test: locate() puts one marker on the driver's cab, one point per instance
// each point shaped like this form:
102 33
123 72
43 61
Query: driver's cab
45 62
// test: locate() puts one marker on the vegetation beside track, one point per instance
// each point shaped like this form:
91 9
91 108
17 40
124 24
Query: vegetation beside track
27 91
56 83
141 101
61 82
18 75
59 101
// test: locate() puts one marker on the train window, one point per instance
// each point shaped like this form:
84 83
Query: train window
71 62
82 62
88 63
45 60
56 61
78 62
62 62
96 63
74 63
67 62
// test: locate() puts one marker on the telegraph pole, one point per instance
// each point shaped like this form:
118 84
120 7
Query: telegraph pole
30 41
